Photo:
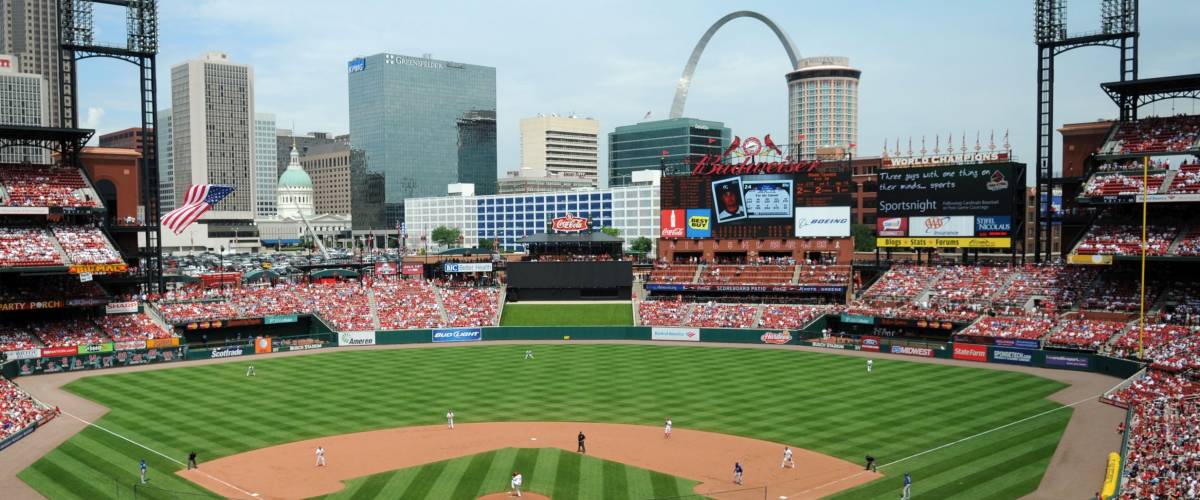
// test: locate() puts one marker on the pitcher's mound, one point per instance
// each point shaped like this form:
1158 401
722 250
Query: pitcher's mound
525 495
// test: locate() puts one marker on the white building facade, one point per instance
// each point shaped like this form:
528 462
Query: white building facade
265 167
166 174
823 105
505 218
24 101
560 146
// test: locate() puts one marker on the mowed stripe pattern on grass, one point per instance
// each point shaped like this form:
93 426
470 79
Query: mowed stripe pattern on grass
825 403
567 315
549 471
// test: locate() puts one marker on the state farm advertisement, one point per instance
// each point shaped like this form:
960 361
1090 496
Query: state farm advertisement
673 224
970 352
943 225
892 226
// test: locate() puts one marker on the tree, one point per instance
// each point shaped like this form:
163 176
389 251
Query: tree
642 245
487 244
864 237
446 236
611 231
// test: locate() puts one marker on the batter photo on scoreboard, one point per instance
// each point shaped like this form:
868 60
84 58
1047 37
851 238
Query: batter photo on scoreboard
727 199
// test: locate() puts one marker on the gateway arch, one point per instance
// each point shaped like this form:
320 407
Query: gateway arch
685 81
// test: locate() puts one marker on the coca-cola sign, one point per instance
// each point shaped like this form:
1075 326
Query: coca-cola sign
569 224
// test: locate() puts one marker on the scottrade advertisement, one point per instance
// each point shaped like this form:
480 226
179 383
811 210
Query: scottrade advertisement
356 338
226 352
699 223
1012 356
970 352
924 352
1066 361
457 334
675 334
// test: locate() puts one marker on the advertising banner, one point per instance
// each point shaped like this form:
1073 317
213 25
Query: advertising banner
1021 343
699 223
457 334
675 334
951 190
301 347
97 268
970 352
95 348
776 337
912 351
1059 360
892 226
831 345
24 210
23 354
121 307
1086 260
944 242
29 306
869 343
1012 356
227 352
672 224
569 224
96 361
822 222
282 318
710 287
412 269
467 267
941 226
386 268
8 441
159 343
356 338
48 352
857 319
993 225
262 345
131 345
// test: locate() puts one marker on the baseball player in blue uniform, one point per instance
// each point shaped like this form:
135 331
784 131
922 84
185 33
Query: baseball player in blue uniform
142 466
737 472
907 493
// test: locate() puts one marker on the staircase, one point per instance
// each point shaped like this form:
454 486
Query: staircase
58 248
1167 181
687 317
500 305
374 309
796 275
696 276
1183 234
152 312
758 312
437 294
637 320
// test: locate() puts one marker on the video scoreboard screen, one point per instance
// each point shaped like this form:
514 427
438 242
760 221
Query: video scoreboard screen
807 204
965 206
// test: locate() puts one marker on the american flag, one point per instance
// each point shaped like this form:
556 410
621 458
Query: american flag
200 199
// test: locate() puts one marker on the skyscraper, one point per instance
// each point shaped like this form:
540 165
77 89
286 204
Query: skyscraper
264 164
404 117
477 150
213 132
673 143
822 105
286 138
166 173
23 101
560 146
29 30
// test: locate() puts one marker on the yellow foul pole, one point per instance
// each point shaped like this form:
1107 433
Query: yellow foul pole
1142 307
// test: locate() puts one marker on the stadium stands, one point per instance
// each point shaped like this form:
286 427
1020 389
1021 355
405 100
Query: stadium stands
748 274
471 306
1060 286
405 304
672 273
823 274
12 339
129 327
1010 328
968 284
68 332
1155 134
18 409
664 313
902 282
27 247
1189 245
1123 184
713 315
1119 293
789 317
42 186
1106 238
1084 333
86 245
345 306
1187 179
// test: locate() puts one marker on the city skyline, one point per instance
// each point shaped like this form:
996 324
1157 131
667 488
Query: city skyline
918 85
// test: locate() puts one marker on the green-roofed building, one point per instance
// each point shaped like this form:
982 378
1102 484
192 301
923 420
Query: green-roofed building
652 145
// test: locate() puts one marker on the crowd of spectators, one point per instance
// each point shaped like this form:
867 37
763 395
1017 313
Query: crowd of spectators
86 245
1125 239
406 303
1028 328
1079 333
968 284
1123 184
672 273
789 317
1187 179
18 409
824 274
471 306
67 332
13 338
742 274
45 186
1134 164
345 305
1189 245
27 247
713 315
664 313
130 327
1162 457
903 282
1156 134
1059 286
1120 293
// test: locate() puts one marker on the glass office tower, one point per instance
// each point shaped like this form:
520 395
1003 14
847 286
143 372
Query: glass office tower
673 143
404 118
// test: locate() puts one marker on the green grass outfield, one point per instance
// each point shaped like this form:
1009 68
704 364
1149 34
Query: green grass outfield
821 402
549 471
567 315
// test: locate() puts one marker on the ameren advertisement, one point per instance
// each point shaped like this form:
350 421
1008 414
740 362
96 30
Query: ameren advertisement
356 338
675 334
822 222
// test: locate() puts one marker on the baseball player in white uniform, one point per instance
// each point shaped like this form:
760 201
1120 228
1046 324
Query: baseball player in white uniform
450 419
787 458
250 371
529 354
870 364
320 456
516 483
667 428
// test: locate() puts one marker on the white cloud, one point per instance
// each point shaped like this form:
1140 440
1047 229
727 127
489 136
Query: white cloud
95 116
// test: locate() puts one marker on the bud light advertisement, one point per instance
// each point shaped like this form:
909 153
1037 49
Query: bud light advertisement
457 334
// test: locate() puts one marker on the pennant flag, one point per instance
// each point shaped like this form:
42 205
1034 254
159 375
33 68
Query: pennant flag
200 199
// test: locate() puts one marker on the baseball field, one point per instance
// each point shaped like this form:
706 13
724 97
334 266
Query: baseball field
903 413
567 315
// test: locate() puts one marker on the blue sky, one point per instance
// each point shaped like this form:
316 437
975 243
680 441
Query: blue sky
929 67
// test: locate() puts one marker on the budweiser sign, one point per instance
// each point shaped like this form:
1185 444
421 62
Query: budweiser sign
711 165
776 337
569 224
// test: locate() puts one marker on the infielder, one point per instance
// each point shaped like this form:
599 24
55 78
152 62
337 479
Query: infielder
667 428
320 456
907 493
516 483
870 364
450 419
192 461
250 370
142 466
737 472
529 354
787 459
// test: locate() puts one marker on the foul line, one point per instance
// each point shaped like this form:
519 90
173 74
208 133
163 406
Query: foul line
156 452
931 450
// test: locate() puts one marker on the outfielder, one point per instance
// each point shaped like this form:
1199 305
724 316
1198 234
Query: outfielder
870 364
516 483
450 419
529 354
907 493
250 370
667 428
320 456
787 459
142 466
